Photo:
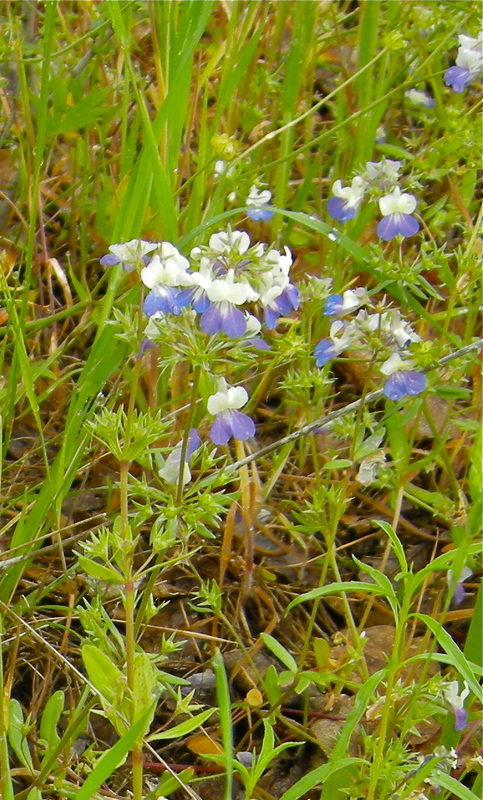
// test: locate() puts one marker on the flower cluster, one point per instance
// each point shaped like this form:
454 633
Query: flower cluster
386 330
380 180
469 63
223 283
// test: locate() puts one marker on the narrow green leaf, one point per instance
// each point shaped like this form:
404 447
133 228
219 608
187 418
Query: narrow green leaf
224 707
184 727
335 588
458 789
112 758
279 651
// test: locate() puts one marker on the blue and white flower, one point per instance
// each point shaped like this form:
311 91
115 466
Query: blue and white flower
456 699
337 305
458 588
229 243
130 254
469 63
397 209
225 294
165 273
229 422
170 472
420 99
342 336
402 379
259 203
382 175
347 199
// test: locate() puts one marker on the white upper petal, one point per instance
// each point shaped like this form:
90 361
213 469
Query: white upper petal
397 203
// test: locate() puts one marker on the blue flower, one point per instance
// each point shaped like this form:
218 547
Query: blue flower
409 383
340 304
130 254
225 294
397 209
469 63
164 275
171 470
259 200
347 199
402 379
324 352
342 335
456 700
229 421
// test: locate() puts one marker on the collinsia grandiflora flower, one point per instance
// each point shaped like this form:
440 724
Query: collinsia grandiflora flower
469 63
397 208
456 699
337 305
229 421
225 294
164 274
130 254
258 202
459 593
402 380
421 99
170 472
382 175
347 199
342 336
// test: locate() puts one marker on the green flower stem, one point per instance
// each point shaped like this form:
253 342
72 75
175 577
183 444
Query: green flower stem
245 502
189 420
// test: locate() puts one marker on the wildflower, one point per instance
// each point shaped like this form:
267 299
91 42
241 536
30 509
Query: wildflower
340 304
236 242
397 209
383 174
420 99
225 294
130 254
402 379
223 168
229 422
277 298
341 337
259 202
171 469
245 758
196 295
164 273
458 588
347 199
456 700
370 467
469 63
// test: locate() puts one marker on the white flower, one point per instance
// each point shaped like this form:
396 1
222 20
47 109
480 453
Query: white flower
223 168
227 288
397 203
168 269
370 467
470 54
395 364
277 261
258 197
353 195
418 98
383 169
227 398
230 241
130 254
454 697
